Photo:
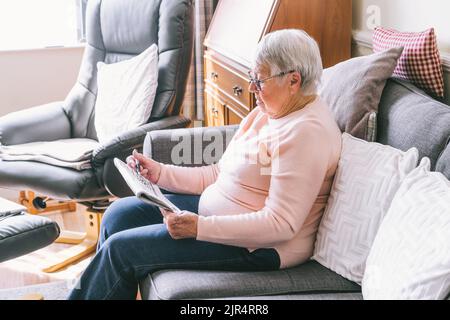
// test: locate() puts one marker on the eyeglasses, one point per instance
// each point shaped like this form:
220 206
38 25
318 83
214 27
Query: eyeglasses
259 82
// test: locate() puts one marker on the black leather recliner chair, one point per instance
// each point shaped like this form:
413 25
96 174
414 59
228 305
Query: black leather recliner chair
116 30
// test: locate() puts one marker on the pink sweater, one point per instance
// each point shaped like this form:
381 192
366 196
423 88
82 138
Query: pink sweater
271 185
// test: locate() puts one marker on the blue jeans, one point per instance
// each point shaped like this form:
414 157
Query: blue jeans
134 242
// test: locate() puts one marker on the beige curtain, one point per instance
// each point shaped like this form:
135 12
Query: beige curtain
193 99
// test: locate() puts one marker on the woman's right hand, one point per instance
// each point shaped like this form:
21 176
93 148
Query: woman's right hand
149 168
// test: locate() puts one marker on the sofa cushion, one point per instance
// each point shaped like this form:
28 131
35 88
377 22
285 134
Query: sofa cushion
353 89
309 277
420 62
308 296
367 178
408 118
410 257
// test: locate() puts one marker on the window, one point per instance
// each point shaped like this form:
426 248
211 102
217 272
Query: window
26 24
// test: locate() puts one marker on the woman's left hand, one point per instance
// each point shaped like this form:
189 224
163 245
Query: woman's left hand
181 225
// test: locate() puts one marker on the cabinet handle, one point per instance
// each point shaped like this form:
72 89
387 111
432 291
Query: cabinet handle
215 111
237 91
214 75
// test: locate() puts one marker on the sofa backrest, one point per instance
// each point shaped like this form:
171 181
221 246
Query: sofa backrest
409 118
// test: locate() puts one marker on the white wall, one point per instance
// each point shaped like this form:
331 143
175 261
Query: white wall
407 16
38 76
33 77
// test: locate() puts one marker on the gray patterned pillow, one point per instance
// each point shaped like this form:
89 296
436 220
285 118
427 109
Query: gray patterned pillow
353 90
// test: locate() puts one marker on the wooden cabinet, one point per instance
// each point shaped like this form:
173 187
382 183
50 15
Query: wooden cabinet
219 110
236 29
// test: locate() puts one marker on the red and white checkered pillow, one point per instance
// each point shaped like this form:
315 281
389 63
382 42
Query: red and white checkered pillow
419 63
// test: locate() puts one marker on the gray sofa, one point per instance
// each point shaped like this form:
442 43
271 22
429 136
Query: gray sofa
407 117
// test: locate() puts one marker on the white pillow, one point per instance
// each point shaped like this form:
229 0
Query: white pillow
410 257
367 177
126 92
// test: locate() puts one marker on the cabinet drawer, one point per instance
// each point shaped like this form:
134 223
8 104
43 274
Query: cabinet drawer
229 82
233 117
214 110
219 110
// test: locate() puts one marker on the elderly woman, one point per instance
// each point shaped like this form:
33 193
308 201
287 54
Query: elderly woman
241 214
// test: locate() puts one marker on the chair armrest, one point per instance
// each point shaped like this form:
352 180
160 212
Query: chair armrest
42 123
134 139
187 147
121 147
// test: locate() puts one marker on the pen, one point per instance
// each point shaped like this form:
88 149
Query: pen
137 167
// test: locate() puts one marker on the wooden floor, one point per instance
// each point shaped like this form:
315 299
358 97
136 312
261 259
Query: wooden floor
26 270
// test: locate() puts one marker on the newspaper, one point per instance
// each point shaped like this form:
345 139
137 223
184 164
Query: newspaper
143 188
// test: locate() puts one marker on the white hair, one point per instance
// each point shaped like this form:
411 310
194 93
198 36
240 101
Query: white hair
291 49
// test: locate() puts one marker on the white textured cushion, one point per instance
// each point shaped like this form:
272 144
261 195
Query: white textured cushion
126 92
410 257
367 177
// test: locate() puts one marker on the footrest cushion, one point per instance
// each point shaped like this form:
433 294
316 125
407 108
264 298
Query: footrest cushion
25 233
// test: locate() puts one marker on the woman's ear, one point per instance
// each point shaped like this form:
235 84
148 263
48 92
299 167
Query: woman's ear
296 81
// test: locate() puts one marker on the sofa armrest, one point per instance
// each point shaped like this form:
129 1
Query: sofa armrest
47 122
188 147
134 139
